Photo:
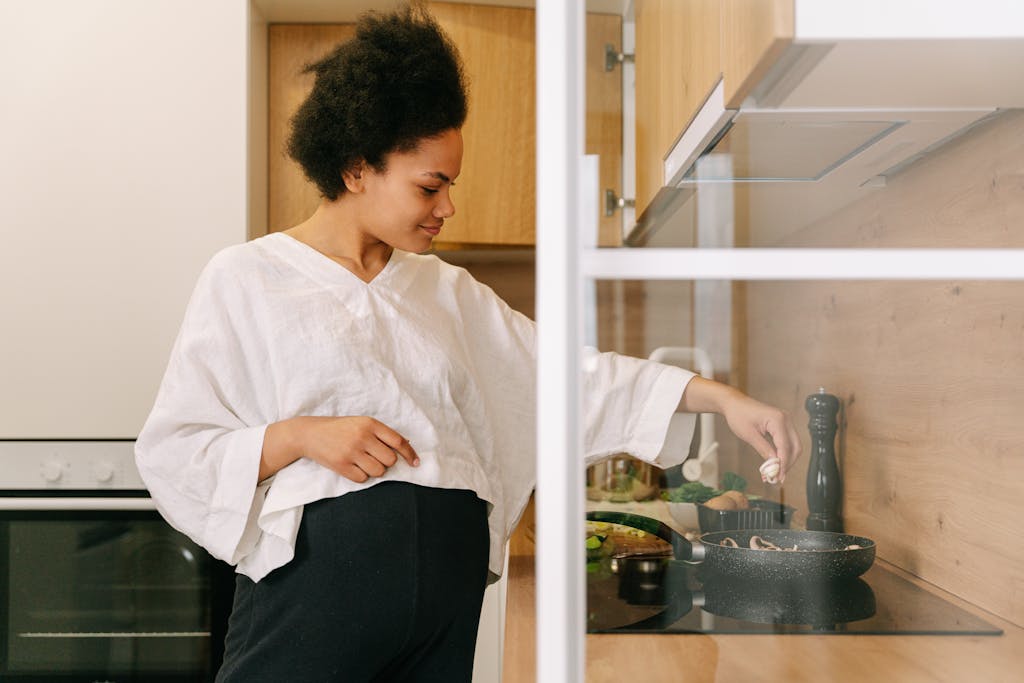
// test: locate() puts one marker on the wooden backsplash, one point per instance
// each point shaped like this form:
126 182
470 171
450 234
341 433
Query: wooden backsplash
931 374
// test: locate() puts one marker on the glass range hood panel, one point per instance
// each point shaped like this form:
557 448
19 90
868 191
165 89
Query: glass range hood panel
784 147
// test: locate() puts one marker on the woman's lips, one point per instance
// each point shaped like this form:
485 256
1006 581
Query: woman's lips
432 229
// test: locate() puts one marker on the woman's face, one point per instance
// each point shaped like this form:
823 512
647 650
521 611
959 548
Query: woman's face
407 204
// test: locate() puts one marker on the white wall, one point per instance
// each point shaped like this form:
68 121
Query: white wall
122 169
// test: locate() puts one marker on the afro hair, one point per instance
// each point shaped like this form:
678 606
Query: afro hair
398 81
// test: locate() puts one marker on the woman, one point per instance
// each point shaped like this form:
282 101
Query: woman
351 423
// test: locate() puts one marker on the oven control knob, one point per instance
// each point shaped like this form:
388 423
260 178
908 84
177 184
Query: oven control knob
52 471
103 471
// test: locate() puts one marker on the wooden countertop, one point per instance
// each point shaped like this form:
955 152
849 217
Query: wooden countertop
692 658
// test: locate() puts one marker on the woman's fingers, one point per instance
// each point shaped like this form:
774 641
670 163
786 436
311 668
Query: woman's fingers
397 443
382 448
763 444
771 434
786 449
382 453
372 464
353 473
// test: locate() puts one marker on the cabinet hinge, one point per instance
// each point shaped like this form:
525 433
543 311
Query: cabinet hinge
612 57
612 202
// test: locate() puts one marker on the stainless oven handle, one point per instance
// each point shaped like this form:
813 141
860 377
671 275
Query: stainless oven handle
15 503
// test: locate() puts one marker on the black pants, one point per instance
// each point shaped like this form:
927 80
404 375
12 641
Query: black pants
386 585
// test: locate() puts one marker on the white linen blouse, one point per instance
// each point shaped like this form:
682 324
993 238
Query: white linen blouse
275 329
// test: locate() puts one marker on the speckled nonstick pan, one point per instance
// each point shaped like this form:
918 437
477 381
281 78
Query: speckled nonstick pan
821 555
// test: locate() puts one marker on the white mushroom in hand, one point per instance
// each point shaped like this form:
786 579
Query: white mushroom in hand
770 470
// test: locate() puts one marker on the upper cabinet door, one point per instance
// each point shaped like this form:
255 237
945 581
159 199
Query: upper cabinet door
754 34
291 198
683 48
604 118
678 62
495 196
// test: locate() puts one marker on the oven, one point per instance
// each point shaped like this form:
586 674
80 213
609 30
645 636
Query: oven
94 586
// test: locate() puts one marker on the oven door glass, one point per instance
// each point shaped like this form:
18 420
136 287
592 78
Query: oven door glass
110 596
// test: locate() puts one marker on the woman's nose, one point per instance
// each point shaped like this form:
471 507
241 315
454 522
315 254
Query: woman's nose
445 207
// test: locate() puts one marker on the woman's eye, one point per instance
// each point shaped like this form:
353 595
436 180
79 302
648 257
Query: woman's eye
428 190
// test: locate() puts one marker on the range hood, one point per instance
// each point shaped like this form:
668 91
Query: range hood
852 100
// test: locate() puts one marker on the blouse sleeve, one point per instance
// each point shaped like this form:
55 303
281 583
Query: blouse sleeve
199 451
629 403
629 406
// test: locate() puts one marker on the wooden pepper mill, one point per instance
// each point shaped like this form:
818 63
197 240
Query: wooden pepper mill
824 488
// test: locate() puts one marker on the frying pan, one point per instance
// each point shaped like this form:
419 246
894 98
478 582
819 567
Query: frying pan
820 555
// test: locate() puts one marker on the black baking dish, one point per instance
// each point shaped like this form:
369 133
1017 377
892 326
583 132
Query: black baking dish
763 514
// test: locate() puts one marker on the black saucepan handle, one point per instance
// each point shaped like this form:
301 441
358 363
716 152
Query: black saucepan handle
682 549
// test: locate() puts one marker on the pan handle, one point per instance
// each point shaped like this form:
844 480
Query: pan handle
682 549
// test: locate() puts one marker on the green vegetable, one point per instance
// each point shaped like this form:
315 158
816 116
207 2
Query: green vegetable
733 482
691 492
595 547
696 492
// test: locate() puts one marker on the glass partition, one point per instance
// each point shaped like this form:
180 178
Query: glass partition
907 401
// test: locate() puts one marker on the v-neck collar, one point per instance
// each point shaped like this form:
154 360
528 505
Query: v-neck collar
330 272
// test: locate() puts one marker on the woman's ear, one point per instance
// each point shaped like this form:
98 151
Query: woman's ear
353 177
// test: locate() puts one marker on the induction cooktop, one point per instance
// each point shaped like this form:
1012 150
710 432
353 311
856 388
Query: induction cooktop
661 595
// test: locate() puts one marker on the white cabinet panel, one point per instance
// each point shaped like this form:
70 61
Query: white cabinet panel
122 170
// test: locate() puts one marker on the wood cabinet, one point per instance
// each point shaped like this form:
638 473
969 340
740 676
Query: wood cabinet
754 34
677 64
604 117
291 197
495 196
683 48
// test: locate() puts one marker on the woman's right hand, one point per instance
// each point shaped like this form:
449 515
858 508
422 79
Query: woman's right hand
356 447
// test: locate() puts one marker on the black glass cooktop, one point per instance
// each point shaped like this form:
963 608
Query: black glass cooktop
667 596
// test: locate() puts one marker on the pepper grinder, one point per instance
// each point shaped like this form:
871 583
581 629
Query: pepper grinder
824 489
